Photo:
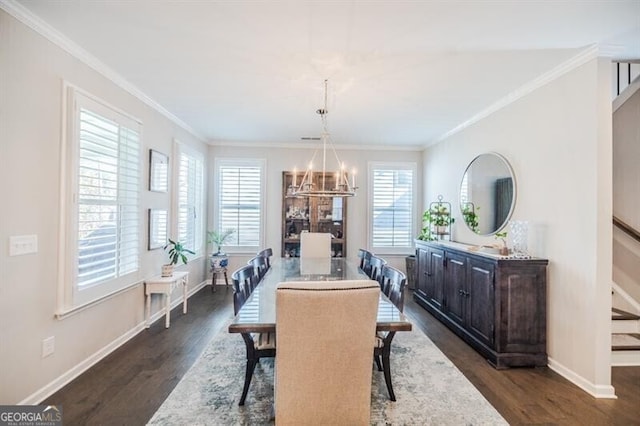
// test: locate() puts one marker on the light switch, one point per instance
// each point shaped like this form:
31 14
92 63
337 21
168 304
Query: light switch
23 244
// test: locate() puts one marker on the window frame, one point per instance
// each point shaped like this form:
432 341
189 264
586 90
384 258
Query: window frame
71 297
241 162
179 149
390 165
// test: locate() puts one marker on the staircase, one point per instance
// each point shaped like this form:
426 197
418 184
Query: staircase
625 338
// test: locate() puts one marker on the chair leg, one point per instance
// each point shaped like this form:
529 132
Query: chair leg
377 359
251 365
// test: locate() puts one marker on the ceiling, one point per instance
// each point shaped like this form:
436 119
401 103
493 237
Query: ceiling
401 73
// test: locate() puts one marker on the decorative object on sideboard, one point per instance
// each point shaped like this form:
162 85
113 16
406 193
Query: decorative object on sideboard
519 238
341 187
177 252
219 259
503 249
437 221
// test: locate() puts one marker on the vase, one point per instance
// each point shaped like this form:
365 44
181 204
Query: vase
167 270
519 232
219 260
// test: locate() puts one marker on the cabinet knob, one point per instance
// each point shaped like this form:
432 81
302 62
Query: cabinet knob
428 274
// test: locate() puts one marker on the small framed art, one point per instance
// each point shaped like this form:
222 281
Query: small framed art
158 171
158 223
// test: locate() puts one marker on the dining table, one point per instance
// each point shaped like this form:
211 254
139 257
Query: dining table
258 314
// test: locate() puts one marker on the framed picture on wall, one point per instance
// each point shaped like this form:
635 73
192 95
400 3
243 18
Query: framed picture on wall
158 171
158 224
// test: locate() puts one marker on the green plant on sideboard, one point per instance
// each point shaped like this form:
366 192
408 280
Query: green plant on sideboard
502 236
436 221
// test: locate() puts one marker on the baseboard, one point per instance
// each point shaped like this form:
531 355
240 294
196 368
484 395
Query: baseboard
61 381
597 391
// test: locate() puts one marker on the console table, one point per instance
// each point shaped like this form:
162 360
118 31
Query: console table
496 304
165 285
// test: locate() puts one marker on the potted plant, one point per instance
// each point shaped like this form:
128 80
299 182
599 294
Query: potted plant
177 252
435 221
441 218
425 234
219 259
502 236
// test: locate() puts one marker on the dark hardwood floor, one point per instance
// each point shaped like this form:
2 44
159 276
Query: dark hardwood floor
129 385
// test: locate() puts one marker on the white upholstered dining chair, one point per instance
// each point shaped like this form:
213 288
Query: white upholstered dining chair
325 331
315 244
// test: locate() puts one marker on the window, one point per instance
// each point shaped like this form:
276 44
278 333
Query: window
240 199
103 183
392 213
190 198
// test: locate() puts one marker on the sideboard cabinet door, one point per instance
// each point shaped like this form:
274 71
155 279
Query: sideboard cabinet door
455 298
481 290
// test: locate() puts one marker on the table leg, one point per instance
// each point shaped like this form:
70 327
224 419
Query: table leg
148 310
167 308
226 280
213 281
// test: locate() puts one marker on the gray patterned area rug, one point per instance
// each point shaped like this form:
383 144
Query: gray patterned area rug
429 389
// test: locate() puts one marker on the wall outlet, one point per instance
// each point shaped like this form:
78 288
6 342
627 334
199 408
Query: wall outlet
23 244
48 346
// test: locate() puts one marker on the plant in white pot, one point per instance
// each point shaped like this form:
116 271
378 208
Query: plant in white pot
219 258
177 252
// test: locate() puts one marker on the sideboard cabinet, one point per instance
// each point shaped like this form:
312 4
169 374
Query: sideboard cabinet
495 304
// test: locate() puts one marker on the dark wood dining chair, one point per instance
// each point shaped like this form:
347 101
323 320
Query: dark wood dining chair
375 264
259 345
266 253
260 265
244 281
392 282
364 256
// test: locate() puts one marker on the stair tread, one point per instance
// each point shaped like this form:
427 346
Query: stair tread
619 314
625 342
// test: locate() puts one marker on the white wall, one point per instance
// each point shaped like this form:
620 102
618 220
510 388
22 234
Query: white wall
284 159
626 194
32 71
558 141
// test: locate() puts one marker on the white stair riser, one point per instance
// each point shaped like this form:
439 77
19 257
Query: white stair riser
625 326
625 358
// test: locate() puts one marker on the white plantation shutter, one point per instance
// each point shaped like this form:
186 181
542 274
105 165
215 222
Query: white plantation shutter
191 200
107 176
240 202
392 189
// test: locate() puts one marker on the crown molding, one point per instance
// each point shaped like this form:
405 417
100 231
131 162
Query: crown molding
577 60
24 15
310 145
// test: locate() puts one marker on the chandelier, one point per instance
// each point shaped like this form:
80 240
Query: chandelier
323 187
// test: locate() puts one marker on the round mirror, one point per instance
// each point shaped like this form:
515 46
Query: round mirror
487 194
